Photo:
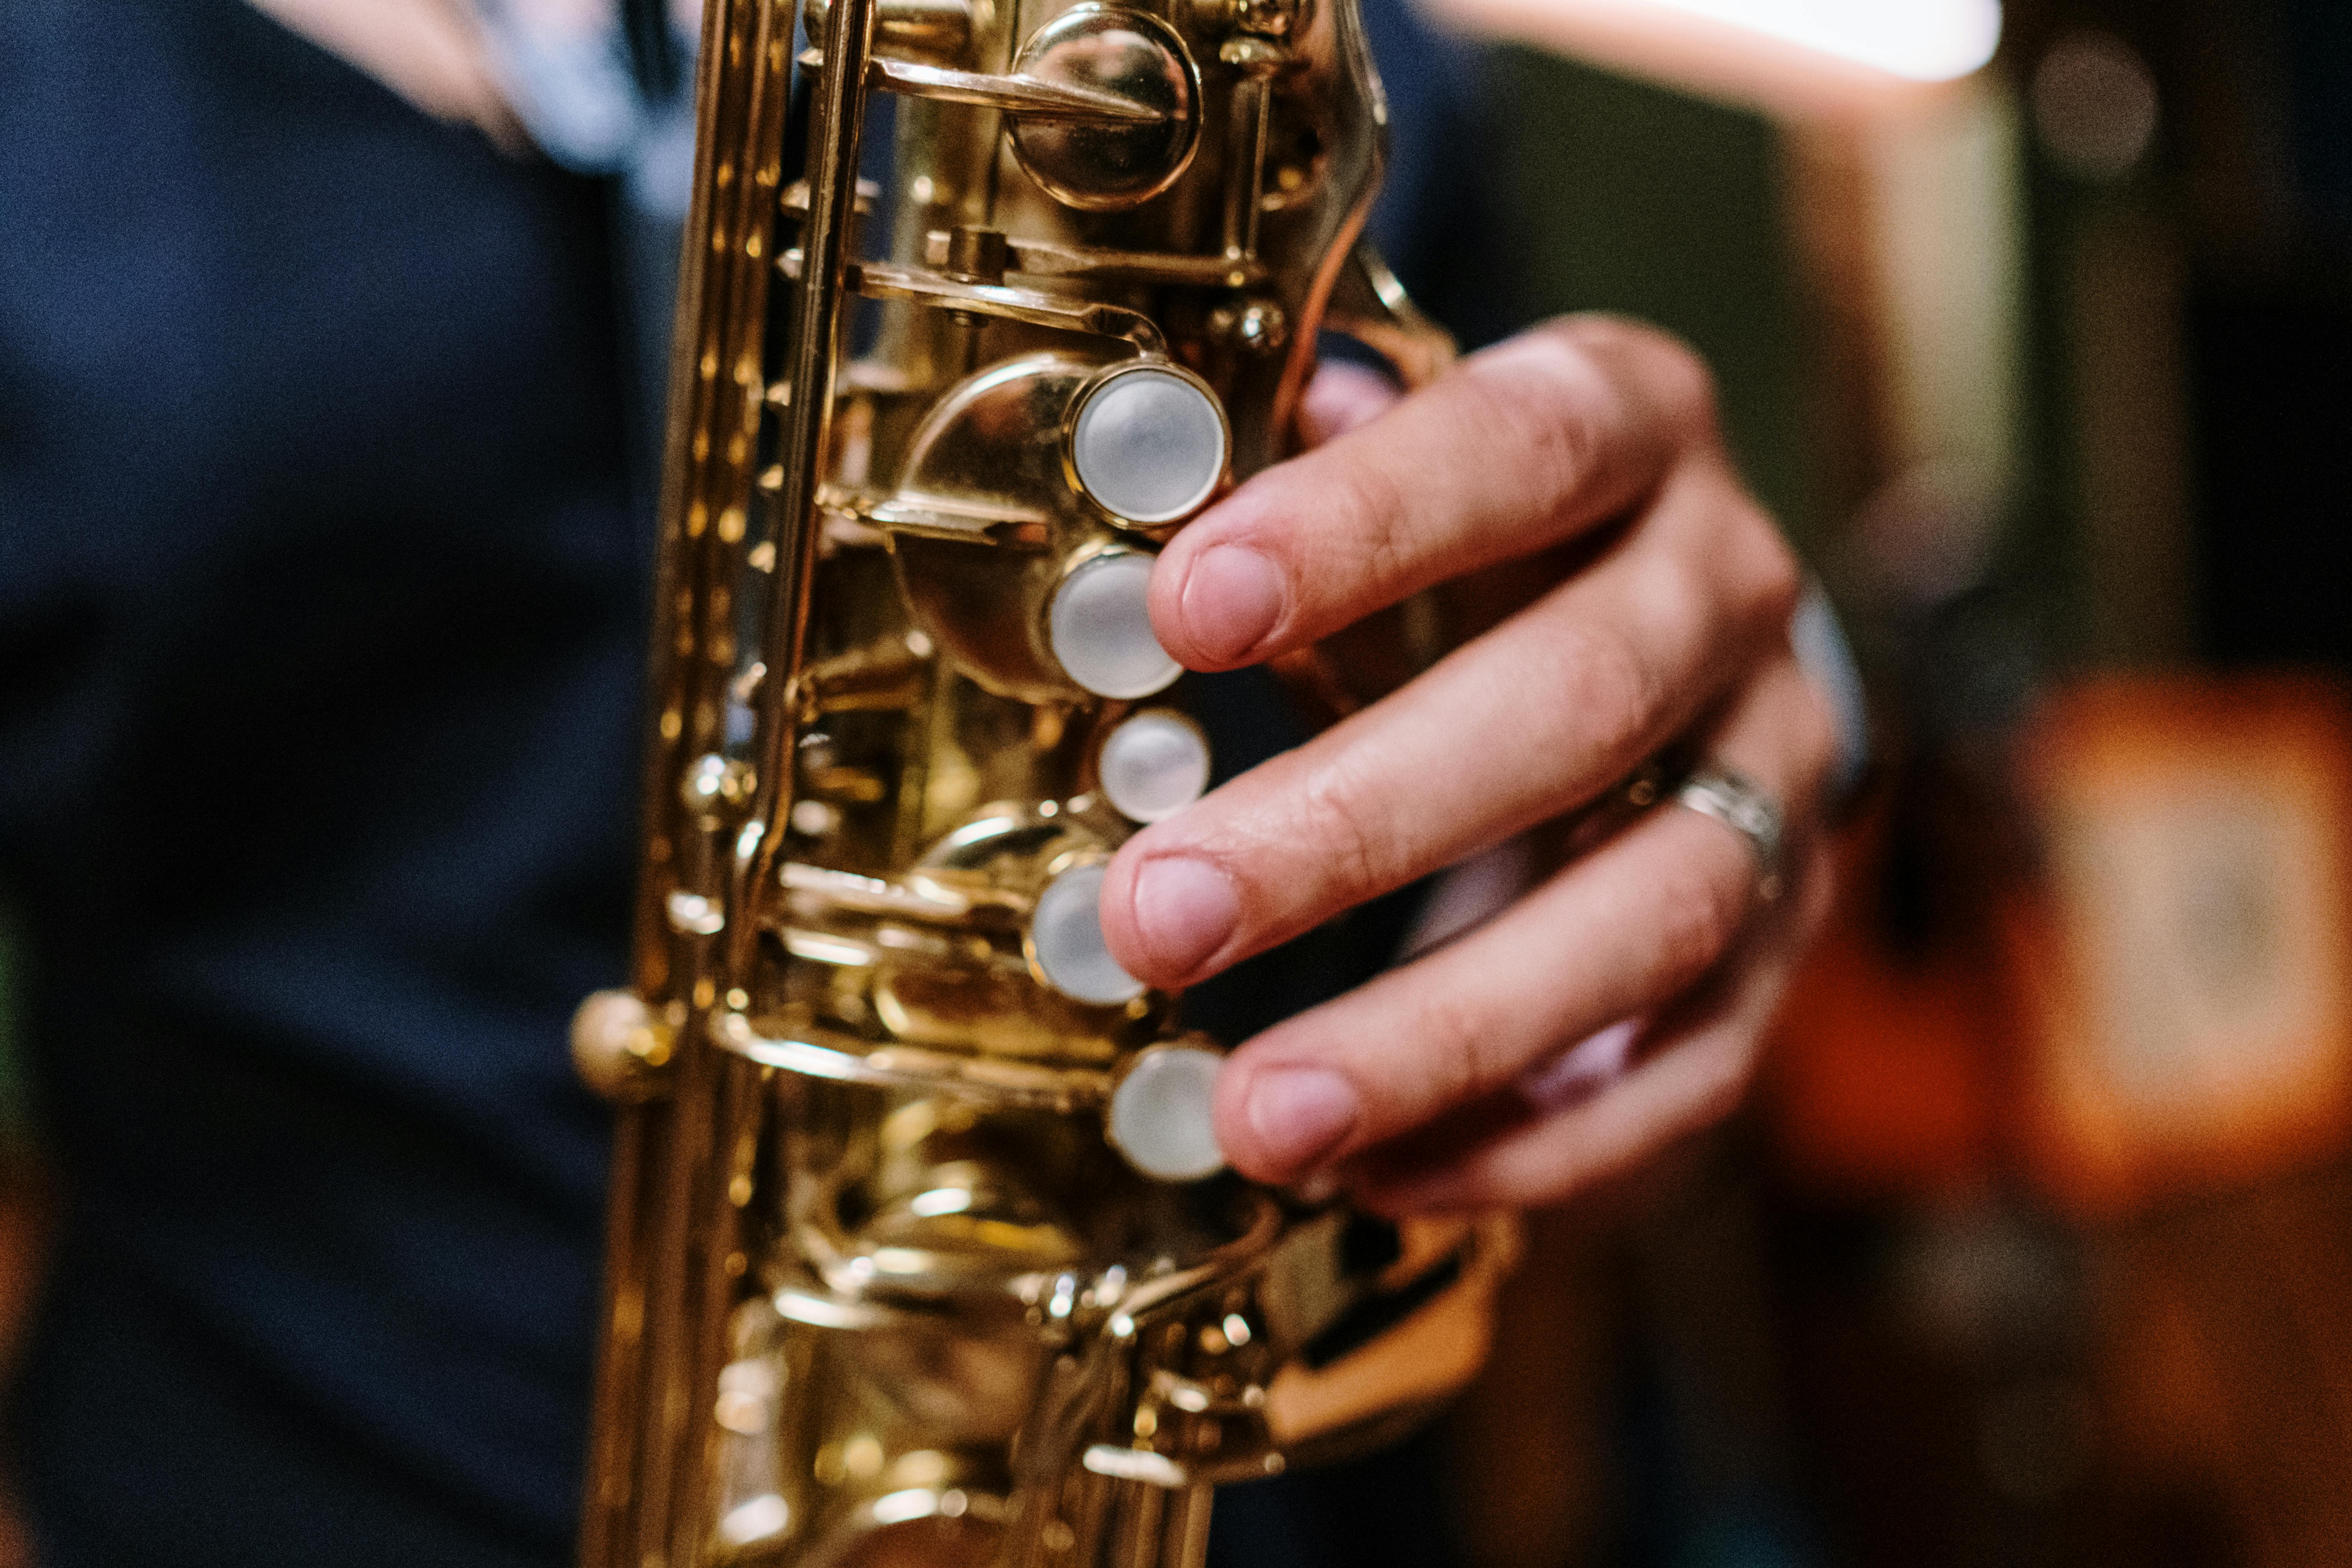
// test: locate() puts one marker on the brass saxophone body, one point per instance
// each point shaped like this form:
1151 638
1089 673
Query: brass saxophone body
918 1251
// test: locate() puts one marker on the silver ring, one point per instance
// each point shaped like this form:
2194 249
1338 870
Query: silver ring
1733 799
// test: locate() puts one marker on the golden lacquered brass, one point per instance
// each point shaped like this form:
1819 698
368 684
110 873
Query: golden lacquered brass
919 1252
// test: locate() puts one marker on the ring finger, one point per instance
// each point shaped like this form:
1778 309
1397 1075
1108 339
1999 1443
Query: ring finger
1620 933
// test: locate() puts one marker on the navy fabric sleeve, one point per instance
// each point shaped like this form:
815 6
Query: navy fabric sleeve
320 614
1440 221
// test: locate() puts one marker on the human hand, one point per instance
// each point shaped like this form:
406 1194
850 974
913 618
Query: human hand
1617 1004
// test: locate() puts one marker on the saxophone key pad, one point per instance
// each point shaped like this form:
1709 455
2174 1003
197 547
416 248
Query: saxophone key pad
1100 627
1162 1114
1154 764
1065 940
1150 444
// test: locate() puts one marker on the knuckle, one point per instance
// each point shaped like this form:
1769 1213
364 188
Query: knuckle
1613 698
1455 1052
1374 531
1340 831
1669 374
1555 412
1678 381
1700 915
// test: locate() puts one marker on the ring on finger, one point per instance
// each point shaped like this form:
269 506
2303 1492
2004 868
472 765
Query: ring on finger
1733 799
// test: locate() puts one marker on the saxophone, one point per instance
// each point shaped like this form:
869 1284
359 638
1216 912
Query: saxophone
919 1249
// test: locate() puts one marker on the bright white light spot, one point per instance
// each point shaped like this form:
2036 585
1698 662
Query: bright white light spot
1924 40
939 1201
755 1379
755 1520
897 1508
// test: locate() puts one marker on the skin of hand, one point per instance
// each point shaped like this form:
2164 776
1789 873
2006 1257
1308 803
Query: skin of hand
1618 1005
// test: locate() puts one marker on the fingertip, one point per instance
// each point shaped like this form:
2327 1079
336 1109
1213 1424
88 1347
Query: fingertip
1228 1108
1278 1123
1219 605
1166 916
1117 914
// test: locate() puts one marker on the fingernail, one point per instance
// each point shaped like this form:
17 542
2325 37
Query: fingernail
1233 597
1185 910
1300 1114
1583 1070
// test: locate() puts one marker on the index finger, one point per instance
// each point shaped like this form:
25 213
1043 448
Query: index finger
1522 446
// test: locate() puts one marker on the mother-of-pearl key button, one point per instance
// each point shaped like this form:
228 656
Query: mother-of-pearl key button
1154 764
1162 1114
1065 940
1149 444
1100 627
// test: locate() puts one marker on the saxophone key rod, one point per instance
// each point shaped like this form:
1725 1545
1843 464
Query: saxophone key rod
836 130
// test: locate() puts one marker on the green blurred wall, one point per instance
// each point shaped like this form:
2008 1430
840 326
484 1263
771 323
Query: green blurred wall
1632 198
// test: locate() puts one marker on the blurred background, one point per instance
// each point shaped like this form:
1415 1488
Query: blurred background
2035 1245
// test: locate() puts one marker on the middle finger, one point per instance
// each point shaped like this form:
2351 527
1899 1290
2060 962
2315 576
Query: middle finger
1539 715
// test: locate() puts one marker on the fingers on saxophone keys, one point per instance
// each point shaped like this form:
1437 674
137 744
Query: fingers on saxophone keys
1454 760
1538 716
1522 447
1616 934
